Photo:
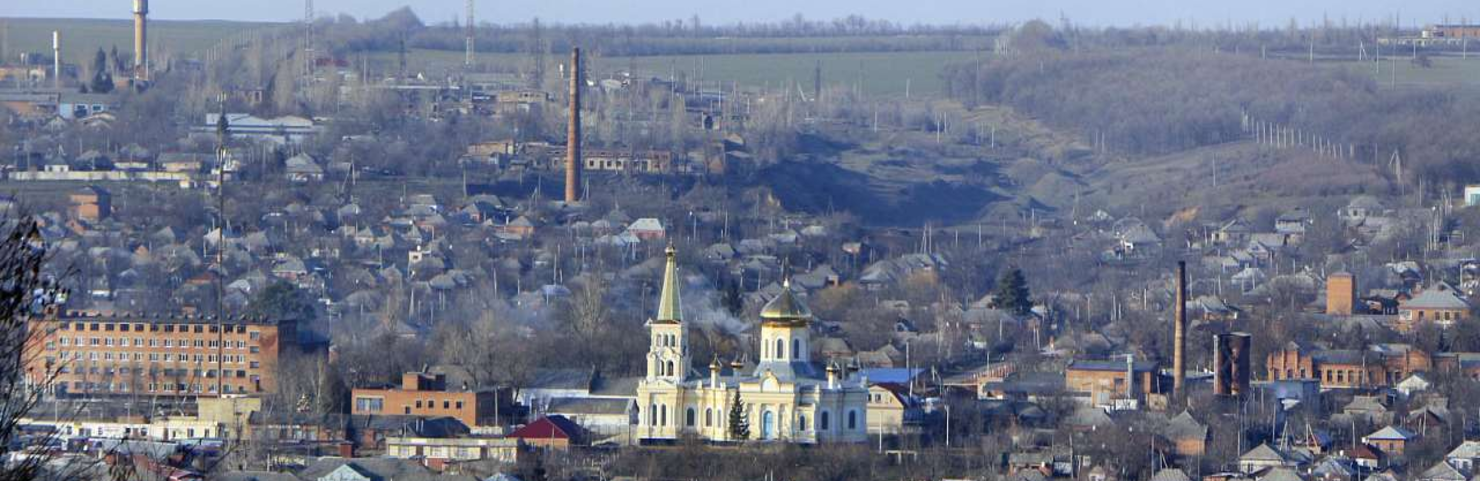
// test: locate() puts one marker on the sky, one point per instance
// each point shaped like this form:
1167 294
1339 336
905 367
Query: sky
1084 12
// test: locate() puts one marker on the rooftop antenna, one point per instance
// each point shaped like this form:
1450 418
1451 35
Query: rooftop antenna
308 37
469 44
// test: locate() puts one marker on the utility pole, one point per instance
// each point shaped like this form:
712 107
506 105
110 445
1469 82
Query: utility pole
222 132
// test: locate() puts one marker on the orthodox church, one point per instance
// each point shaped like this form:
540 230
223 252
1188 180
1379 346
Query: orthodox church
785 398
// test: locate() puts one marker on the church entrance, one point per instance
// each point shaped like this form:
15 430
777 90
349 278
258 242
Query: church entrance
768 425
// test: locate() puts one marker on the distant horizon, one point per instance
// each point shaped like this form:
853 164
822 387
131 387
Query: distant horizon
1088 13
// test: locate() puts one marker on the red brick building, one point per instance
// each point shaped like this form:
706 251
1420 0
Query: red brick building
1377 366
97 353
423 394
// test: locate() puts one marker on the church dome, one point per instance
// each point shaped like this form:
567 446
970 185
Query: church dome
786 307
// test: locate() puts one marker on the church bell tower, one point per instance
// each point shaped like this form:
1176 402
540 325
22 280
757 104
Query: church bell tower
668 351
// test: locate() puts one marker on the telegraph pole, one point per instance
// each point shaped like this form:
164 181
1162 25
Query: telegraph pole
222 131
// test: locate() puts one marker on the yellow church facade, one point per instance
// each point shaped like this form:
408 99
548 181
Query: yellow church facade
785 398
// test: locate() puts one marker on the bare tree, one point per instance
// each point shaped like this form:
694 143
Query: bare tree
27 369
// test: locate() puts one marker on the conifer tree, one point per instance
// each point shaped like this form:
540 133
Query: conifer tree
1012 293
739 419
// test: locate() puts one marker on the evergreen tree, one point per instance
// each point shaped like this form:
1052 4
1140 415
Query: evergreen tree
739 419
102 81
734 301
1012 293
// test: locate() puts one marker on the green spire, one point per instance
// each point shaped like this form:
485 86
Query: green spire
668 304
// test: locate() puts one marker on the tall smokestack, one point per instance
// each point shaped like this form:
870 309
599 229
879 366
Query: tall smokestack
1179 334
573 139
56 59
141 39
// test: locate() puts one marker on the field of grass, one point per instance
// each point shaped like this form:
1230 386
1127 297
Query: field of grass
1445 72
81 38
877 73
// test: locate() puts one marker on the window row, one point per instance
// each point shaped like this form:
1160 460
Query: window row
139 342
150 327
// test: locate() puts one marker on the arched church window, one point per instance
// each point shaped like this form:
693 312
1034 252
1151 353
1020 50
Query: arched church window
780 348
852 420
663 415
796 348
688 418
823 421
670 368
708 417
802 422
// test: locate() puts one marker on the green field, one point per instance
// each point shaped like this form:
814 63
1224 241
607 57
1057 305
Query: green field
1446 71
83 37
878 73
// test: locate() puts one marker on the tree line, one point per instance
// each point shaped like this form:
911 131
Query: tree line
679 37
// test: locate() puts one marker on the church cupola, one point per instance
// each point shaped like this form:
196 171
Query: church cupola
785 329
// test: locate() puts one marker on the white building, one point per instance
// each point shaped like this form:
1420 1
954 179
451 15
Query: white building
784 399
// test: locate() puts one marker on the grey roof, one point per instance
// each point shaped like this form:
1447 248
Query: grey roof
254 476
1436 299
621 386
1264 452
1366 202
1085 416
1398 433
1465 450
1170 474
561 379
1338 356
1281 474
1185 427
377 469
579 406
1442 471
1111 365
787 370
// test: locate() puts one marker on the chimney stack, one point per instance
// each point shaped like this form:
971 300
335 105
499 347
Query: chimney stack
141 39
56 59
1231 364
573 139
1179 334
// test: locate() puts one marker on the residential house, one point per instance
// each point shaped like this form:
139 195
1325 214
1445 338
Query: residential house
890 408
442 450
1441 471
303 168
647 229
91 203
1265 456
1188 436
1391 440
1444 307
1464 457
1360 208
555 432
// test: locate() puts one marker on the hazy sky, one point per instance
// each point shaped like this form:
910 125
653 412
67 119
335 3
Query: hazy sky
1095 12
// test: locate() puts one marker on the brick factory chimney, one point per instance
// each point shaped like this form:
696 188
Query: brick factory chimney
1179 334
573 139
